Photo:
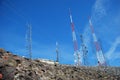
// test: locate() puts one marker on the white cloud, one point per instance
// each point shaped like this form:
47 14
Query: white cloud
106 25
111 54
99 10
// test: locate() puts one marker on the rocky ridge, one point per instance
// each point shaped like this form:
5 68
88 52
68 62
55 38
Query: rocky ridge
13 67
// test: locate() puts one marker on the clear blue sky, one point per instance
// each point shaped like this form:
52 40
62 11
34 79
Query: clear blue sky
50 23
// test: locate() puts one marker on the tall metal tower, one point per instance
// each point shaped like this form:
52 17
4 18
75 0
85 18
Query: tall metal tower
29 40
84 51
76 51
57 52
99 53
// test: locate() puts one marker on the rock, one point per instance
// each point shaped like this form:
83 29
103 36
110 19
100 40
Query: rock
17 68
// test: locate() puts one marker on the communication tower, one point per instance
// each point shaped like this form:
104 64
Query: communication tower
99 53
84 51
76 51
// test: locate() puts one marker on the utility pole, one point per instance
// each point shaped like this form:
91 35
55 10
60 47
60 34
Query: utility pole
76 51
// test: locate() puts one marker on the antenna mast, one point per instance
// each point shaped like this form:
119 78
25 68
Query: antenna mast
57 52
29 40
84 51
76 52
100 56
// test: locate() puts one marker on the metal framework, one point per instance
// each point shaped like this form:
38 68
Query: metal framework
29 40
99 53
84 51
76 51
57 52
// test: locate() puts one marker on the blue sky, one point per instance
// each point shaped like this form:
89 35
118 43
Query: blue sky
50 23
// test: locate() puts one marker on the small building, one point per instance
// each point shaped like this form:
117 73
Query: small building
48 61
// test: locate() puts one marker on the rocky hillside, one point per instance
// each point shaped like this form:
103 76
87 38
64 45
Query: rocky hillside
13 67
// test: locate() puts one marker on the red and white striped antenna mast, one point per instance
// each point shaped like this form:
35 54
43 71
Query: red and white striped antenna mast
99 53
76 51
